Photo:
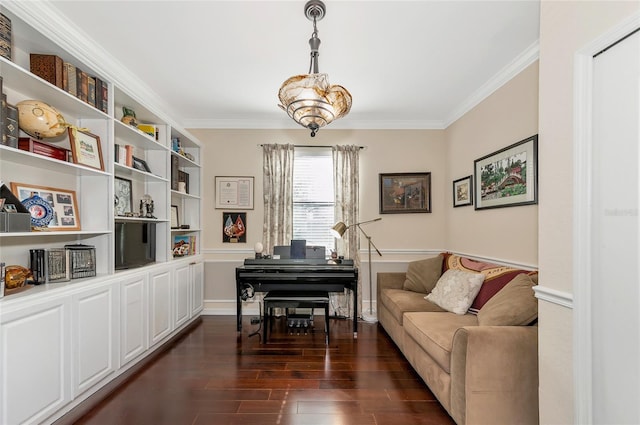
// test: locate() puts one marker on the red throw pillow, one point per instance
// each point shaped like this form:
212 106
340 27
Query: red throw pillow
496 276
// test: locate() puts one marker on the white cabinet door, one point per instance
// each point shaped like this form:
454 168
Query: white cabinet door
133 317
160 296
182 294
36 367
197 288
94 335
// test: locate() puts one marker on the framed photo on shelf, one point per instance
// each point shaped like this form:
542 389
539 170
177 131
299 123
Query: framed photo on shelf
234 192
508 177
123 202
65 213
175 218
140 164
405 193
86 149
463 192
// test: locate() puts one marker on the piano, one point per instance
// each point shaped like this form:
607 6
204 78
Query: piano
264 275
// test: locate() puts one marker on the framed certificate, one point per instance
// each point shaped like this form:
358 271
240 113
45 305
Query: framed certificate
234 193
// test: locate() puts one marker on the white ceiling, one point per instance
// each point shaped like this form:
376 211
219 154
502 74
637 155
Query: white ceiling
219 64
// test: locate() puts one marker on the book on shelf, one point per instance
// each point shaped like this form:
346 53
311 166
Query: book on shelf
3 116
128 156
69 79
5 37
102 95
11 129
174 172
39 148
149 129
91 90
47 67
83 85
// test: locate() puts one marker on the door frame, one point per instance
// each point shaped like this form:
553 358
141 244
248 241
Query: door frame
582 241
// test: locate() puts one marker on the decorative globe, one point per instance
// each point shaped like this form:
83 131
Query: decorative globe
40 120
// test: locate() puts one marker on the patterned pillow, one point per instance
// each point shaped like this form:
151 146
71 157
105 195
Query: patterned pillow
456 290
422 275
495 276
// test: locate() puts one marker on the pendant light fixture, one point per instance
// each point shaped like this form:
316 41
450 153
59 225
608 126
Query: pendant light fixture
309 99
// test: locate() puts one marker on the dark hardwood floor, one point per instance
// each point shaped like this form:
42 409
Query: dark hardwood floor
213 376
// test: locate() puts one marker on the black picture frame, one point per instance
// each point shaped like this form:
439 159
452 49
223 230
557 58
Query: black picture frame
405 193
463 192
175 217
141 165
507 177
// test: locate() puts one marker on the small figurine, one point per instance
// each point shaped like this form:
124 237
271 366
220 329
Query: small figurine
129 116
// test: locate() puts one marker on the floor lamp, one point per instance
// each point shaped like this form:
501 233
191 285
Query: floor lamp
338 230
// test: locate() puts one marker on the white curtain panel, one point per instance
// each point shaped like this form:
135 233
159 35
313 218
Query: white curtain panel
346 182
278 195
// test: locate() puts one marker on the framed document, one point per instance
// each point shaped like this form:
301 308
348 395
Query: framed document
234 193
86 149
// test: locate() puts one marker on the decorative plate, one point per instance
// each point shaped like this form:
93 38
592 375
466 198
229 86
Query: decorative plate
41 211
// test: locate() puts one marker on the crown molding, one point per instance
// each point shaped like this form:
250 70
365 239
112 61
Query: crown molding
526 58
55 26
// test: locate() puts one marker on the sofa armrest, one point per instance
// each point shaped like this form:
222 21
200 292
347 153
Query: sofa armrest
389 280
494 375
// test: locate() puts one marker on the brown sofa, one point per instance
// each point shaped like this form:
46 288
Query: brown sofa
482 365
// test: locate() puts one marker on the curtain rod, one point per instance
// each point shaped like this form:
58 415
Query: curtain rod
313 146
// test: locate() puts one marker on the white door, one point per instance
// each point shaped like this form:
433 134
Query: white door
615 287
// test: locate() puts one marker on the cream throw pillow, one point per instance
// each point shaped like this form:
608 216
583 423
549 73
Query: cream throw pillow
513 305
422 275
456 290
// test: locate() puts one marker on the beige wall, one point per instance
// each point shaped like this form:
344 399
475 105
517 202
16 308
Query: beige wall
565 27
507 116
236 153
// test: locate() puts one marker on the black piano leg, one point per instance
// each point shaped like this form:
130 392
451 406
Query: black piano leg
239 309
355 311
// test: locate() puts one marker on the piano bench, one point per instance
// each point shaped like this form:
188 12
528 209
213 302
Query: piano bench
296 299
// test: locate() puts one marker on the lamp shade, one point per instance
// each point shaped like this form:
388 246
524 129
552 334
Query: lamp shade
312 102
339 229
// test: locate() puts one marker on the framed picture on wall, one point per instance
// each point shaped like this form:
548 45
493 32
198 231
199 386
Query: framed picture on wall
508 177
405 193
234 192
463 192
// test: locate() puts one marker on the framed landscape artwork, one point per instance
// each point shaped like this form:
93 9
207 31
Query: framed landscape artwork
405 193
508 177
463 192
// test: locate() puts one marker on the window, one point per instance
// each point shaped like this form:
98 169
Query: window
313 196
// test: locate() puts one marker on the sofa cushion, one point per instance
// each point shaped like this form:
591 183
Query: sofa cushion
495 276
456 290
422 275
399 301
433 332
513 305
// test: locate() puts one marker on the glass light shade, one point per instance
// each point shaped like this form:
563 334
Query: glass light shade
338 230
312 102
